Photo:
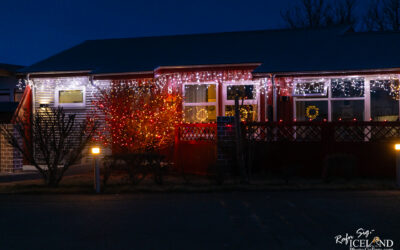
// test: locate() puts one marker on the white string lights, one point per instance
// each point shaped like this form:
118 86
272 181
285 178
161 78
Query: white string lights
347 87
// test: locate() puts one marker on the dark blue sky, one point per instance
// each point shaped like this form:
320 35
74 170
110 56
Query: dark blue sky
31 30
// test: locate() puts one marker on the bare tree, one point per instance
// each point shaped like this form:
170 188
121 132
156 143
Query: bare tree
343 12
320 13
58 140
383 15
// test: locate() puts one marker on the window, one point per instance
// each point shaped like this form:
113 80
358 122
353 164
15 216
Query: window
347 87
348 110
200 102
70 98
247 112
246 92
310 88
247 100
385 100
311 110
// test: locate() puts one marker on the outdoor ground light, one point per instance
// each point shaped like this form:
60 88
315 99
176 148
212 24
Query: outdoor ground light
95 150
397 148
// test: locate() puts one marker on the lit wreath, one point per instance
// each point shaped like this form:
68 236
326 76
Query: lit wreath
312 112
202 115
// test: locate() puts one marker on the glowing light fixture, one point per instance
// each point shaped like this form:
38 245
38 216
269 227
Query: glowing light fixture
95 150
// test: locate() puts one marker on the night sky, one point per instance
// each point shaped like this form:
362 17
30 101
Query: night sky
34 30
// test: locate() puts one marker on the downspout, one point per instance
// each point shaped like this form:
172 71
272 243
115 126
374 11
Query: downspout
274 98
33 92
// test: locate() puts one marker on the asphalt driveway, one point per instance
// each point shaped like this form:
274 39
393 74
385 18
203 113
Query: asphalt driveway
240 220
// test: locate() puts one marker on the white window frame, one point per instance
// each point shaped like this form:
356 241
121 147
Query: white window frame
255 101
195 104
70 105
310 80
368 87
330 99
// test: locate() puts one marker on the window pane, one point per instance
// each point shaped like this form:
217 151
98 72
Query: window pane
384 100
245 91
347 87
311 110
200 114
200 93
310 89
247 112
70 96
347 110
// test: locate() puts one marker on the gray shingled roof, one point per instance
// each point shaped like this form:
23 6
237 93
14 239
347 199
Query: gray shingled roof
277 50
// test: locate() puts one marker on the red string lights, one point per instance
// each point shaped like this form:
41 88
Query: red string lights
139 116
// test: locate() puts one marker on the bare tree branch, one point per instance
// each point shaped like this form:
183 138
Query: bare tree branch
320 13
383 15
57 139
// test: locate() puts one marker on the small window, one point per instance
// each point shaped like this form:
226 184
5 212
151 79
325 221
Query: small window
347 87
310 88
73 98
70 96
246 92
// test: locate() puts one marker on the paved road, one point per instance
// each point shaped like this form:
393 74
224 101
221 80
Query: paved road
258 220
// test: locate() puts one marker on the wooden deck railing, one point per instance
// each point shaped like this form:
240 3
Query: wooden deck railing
321 131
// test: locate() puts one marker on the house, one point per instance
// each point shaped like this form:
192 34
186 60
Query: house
332 74
10 94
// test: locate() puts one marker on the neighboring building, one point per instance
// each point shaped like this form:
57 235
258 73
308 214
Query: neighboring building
302 74
10 94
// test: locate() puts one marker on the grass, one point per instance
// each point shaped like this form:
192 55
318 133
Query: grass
83 184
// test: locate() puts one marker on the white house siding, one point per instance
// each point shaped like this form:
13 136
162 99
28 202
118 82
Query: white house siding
44 92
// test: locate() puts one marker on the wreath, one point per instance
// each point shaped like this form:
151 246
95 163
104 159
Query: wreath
202 115
312 112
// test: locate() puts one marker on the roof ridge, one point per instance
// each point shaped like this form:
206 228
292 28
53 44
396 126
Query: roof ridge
223 33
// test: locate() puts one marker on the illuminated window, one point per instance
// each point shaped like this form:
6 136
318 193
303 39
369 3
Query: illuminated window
310 88
247 112
385 100
70 98
244 91
200 102
311 110
347 87
200 114
248 100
